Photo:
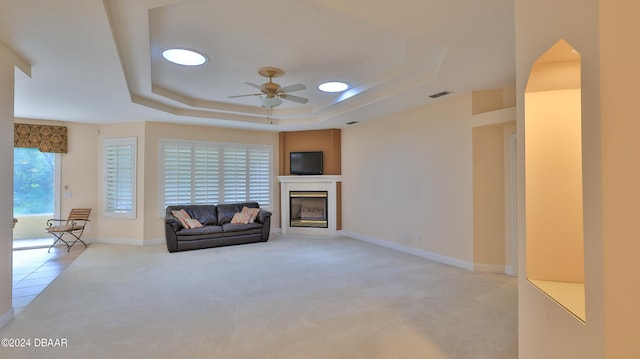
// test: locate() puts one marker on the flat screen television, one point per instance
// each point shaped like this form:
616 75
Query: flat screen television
306 163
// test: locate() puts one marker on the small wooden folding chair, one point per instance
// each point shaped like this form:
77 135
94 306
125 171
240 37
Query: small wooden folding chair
73 227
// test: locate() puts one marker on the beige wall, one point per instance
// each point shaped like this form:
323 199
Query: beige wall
546 330
79 171
123 229
620 77
408 178
491 197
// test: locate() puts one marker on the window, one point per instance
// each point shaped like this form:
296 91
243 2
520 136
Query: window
119 185
33 182
211 173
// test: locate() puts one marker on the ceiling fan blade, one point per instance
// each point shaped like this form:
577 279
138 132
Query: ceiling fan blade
254 85
293 98
253 94
293 88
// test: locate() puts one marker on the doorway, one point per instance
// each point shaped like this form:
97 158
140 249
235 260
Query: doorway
36 177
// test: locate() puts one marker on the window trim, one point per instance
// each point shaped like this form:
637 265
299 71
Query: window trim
125 141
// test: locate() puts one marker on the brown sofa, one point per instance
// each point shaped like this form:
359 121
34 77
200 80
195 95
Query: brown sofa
217 229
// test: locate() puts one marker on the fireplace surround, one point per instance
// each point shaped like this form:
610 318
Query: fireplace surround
309 204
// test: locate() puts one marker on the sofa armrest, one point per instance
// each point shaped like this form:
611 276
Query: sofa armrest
173 222
171 237
171 226
263 215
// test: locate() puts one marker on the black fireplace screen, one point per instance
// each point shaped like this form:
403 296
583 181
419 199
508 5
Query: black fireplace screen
308 209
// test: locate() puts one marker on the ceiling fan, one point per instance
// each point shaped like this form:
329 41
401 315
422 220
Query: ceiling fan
274 93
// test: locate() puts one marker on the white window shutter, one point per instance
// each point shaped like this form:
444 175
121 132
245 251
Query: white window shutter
119 182
212 173
260 176
235 174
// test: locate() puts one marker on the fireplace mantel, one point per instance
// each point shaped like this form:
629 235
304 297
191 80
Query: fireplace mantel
327 183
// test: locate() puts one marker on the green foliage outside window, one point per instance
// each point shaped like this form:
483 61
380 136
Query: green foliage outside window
33 182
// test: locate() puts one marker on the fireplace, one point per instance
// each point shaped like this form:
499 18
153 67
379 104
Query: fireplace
308 209
309 204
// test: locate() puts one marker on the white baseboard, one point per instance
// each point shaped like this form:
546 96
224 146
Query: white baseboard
6 318
489 268
415 251
509 270
129 241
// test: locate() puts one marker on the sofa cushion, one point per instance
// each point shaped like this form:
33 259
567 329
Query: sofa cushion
205 214
235 229
186 220
226 211
185 232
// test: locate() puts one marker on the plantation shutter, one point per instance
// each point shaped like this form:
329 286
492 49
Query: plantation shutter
212 173
177 173
235 174
206 175
119 161
260 175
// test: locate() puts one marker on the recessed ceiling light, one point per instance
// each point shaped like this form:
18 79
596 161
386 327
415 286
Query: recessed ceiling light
333 86
184 57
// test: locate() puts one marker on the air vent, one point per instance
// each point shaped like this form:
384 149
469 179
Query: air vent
352 123
440 94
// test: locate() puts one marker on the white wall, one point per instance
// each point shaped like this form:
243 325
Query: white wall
407 180
7 71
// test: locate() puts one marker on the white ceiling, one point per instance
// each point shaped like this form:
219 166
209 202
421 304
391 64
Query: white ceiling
99 61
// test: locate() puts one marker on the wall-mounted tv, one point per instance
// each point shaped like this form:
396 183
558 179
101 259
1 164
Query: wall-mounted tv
306 163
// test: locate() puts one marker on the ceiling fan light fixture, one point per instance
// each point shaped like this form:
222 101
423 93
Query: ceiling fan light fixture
333 86
184 57
271 102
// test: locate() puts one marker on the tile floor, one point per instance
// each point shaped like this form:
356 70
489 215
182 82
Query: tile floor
34 269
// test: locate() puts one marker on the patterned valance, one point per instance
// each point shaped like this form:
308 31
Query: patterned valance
43 137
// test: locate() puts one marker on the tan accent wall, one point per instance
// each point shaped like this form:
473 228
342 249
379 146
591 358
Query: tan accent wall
328 141
620 76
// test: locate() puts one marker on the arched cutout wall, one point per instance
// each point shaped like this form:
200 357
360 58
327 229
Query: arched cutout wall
553 177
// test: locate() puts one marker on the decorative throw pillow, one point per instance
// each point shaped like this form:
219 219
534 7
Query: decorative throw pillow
240 218
251 212
181 214
193 223
185 219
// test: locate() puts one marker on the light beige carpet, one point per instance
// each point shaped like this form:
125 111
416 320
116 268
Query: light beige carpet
287 298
